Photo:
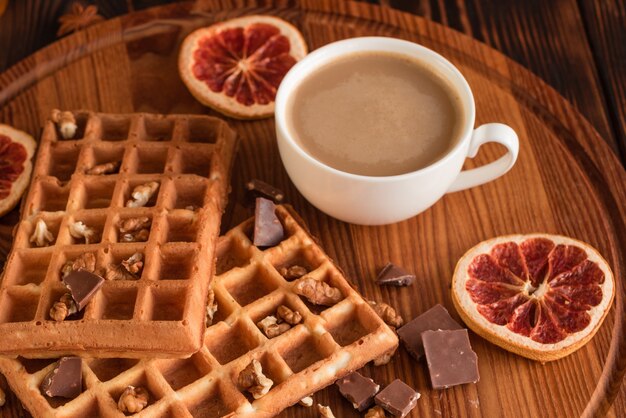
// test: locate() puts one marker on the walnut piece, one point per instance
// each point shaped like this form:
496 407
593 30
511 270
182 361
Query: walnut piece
291 317
211 308
135 229
254 381
387 314
41 236
271 327
133 400
86 261
81 231
133 264
118 272
59 311
292 272
134 224
317 291
142 194
325 411
306 401
385 358
101 169
375 412
66 122
137 236
63 308
129 269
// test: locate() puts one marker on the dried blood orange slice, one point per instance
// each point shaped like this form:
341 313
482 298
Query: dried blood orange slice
540 296
236 66
16 151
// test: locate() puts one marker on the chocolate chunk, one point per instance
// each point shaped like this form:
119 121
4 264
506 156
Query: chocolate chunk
397 398
393 275
259 188
268 230
451 360
65 380
358 389
83 285
434 319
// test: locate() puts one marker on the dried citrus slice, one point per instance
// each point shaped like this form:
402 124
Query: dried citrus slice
236 66
540 296
16 150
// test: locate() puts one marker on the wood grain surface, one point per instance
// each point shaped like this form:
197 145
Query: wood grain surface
577 46
605 24
567 180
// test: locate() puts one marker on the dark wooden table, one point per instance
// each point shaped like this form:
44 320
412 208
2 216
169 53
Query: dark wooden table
577 46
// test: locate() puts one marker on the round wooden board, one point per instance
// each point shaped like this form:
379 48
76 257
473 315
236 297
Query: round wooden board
566 181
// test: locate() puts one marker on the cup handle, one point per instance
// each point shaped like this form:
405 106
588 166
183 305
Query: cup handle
489 132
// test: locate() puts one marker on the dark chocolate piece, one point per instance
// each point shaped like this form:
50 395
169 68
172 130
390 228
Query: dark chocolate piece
451 360
397 398
65 380
83 285
358 389
433 319
259 188
268 230
393 275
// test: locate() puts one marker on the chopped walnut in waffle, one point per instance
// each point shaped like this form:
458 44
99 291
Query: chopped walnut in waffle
318 292
105 168
63 308
211 308
271 327
128 269
133 400
41 236
81 231
142 194
293 272
66 123
86 261
253 380
135 229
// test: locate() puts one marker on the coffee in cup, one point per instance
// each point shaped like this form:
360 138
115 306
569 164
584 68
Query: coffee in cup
376 114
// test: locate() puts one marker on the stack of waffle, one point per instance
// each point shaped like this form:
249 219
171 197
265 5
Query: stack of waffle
148 329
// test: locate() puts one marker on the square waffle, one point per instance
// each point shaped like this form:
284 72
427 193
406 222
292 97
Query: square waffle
161 312
329 343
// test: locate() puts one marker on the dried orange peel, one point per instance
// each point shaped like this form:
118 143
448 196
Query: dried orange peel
540 296
16 151
236 66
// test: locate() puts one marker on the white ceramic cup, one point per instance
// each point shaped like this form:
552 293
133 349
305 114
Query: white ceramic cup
373 200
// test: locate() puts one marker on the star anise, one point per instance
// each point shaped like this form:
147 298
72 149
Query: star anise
79 17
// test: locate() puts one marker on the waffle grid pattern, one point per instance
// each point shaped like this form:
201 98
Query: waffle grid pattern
328 344
190 158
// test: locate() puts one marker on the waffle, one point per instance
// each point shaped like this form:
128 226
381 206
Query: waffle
329 342
161 311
